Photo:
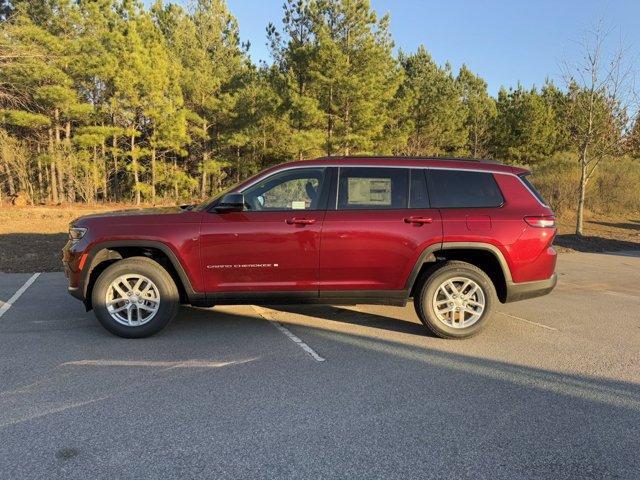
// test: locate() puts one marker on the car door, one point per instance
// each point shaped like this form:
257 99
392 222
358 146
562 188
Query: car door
373 233
274 244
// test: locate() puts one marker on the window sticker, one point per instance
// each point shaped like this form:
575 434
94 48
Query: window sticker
369 191
298 205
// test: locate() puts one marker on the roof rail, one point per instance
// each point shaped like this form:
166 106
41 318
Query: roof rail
411 157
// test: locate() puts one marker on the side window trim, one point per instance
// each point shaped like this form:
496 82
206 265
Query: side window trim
327 189
422 171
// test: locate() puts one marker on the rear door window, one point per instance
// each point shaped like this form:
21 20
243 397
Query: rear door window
372 188
463 189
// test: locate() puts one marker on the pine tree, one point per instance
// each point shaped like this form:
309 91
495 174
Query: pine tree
206 42
526 129
355 77
480 112
435 107
293 52
43 82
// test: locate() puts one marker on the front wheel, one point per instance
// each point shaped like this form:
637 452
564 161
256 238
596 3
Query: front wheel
455 299
135 298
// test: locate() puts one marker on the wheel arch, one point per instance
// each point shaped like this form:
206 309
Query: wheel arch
485 256
104 254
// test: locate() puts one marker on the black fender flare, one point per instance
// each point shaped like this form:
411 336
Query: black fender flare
103 251
429 255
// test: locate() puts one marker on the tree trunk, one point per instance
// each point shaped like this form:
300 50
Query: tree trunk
71 183
205 158
40 182
153 175
203 183
347 130
55 156
104 173
71 180
583 188
330 123
10 179
94 175
175 178
114 154
134 165
61 192
53 182
237 164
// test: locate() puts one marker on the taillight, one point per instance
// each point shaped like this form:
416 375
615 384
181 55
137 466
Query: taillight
542 221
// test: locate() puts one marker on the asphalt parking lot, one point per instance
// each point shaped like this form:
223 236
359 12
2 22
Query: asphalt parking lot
550 389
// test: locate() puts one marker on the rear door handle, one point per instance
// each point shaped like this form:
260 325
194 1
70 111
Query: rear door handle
418 220
300 221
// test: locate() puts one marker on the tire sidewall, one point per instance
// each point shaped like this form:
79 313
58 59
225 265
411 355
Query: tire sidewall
429 289
169 297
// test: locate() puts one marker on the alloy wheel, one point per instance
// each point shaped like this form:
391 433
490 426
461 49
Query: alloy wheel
132 300
459 302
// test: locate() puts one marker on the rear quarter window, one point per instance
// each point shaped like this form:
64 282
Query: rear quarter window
525 179
463 189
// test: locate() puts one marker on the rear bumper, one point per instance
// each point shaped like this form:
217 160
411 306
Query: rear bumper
524 290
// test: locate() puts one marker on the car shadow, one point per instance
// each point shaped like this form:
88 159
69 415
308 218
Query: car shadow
355 317
594 244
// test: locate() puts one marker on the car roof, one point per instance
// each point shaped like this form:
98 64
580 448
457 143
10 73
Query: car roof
400 161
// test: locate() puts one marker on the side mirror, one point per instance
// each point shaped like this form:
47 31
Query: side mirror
231 202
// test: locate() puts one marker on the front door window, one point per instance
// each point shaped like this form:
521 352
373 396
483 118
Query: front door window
291 190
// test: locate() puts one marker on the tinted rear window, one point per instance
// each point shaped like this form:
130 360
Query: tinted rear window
463 189
534 190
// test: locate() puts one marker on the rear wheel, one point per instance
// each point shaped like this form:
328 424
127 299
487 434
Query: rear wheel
135 297
455 299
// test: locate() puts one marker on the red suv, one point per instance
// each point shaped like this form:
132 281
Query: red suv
456 236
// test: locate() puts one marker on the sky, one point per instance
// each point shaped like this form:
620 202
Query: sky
505 42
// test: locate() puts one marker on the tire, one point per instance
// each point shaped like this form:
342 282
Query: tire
447 323
155 302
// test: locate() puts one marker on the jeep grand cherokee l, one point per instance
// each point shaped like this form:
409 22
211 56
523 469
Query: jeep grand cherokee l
456 236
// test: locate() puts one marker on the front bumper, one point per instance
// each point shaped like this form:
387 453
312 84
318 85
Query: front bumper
71 259
524 290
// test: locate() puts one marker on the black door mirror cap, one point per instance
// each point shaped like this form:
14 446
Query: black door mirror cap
231 202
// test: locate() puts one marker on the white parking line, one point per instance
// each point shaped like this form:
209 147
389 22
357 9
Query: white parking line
155 363
265 314
541 325
6 306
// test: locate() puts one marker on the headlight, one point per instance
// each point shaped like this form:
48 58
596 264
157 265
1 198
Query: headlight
76 233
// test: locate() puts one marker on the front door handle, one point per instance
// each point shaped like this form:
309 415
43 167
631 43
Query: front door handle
418 220
300 221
